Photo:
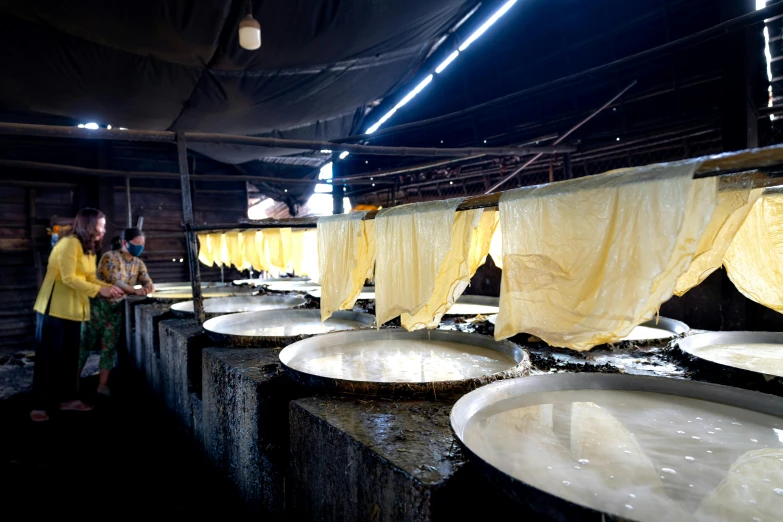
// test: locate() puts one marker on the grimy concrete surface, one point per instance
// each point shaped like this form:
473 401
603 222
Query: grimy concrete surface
181 343
131 302
245 423
382 460
197 414
147 344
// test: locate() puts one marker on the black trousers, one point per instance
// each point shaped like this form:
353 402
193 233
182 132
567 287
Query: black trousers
56 361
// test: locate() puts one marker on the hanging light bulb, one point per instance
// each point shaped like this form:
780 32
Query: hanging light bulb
249 31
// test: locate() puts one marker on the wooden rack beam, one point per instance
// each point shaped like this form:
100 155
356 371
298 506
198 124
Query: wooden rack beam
54 131
84 171
712 166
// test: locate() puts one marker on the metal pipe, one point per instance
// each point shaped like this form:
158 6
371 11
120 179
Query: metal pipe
561 138
190 236
54 131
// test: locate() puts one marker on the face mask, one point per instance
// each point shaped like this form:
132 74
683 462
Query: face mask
135 250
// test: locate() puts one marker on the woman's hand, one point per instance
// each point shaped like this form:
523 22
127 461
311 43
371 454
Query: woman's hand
111 292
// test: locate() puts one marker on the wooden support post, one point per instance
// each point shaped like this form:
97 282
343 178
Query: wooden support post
338 192
190 236
568 172
128 200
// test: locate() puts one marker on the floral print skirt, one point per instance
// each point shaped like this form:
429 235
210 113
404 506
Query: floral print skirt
103 328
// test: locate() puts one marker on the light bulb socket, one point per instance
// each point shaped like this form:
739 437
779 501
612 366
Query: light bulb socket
249 22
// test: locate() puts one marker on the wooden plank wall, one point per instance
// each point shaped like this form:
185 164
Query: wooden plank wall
25 213
165 240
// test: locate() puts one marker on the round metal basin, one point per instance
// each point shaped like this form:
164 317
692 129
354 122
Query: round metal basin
367 293
757 352
471 305
187 293
652 332
291 286
394 361
656 330
277 328
620 447
233 305
259 282
186 285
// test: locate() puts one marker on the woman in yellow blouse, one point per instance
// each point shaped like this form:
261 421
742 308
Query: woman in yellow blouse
63 304
123 268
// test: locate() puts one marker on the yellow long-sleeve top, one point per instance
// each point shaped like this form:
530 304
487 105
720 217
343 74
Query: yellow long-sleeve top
70 282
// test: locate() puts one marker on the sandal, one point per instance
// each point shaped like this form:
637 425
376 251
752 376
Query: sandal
39 416
75 406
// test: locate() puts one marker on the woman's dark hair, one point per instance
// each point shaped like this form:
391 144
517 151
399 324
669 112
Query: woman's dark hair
84 225
129 234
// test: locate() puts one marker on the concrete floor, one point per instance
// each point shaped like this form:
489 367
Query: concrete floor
125 458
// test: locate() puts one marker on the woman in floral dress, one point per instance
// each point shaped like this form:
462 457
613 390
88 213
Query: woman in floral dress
123 268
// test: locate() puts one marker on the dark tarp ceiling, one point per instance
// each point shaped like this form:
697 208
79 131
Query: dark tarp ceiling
177 65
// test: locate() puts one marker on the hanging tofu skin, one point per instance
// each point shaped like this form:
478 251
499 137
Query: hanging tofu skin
734 203
296 253
223 252
471 234
250 246
303 249
754 260
496 246
586 260
285 246
236 249
214 241
272 248
310 263
205 249
482 238
411 243
346 249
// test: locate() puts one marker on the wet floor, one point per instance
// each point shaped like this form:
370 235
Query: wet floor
123 459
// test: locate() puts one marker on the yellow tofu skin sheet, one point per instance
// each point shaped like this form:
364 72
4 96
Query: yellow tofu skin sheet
411 243
310 261
426 255
591 258
471 234
346 250
734 203
236 250
205 249
754 260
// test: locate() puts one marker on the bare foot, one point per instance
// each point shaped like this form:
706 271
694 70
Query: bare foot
74 406
39 416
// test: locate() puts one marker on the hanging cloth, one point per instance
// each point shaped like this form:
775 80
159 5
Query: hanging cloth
346 250
754 260
586 260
